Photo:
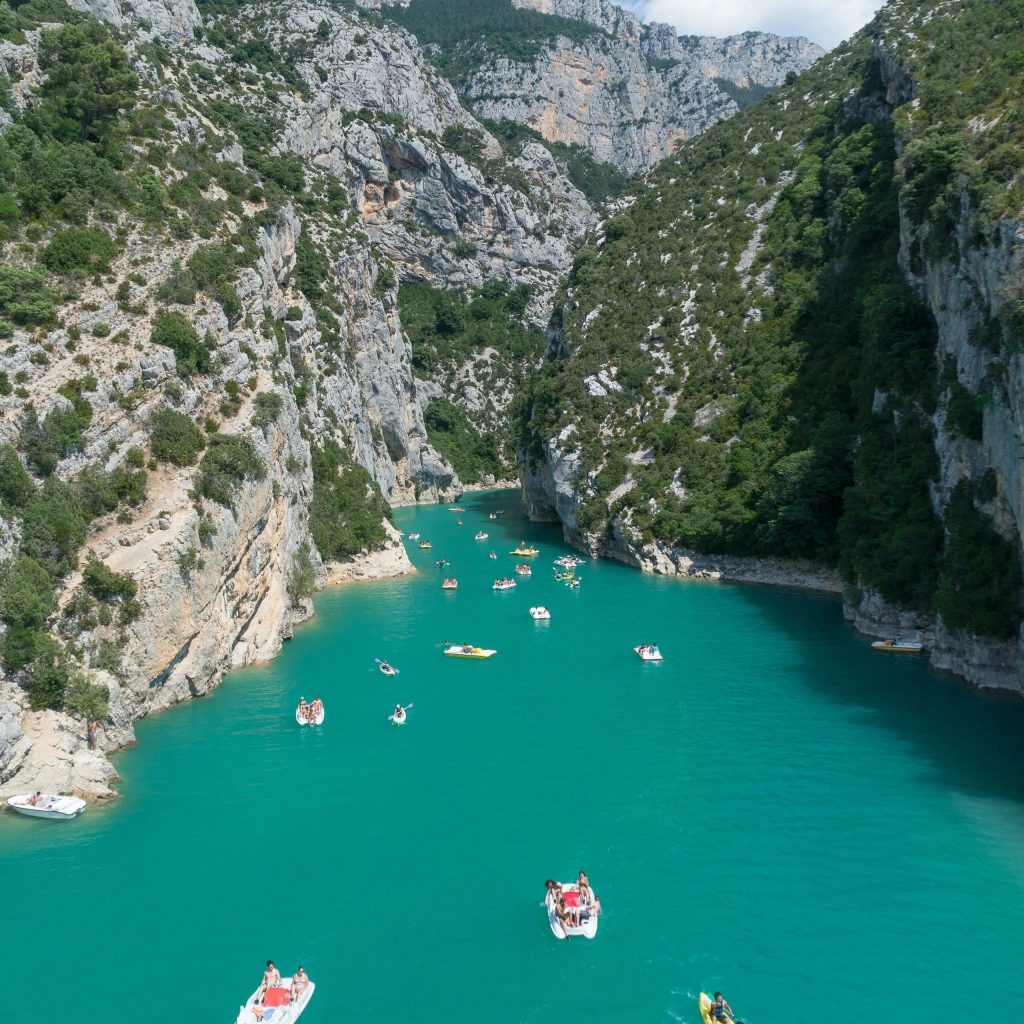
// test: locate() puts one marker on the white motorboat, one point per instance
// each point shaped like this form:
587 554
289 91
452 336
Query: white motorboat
480 535
524 570
588 920
503 584
276 1007
414 536
47 805
898 645
302 715
540 612
649 652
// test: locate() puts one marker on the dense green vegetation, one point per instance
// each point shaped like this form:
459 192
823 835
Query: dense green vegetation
464 29
347 510
228 462
175 438
781 400
472 453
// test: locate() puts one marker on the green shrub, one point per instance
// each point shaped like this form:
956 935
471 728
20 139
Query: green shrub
347 509
48 674
302 578
54 527
24 296
228 463
86 699
175 438
60 433
190 354
267 407
26 594
99 491
130 611
979 586
77 250
16 487
104 584
21 645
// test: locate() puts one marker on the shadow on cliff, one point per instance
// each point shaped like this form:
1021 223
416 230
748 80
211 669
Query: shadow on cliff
972 741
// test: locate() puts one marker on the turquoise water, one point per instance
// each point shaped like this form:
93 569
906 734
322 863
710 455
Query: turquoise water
775 811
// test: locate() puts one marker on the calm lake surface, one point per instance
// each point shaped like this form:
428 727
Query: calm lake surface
775 811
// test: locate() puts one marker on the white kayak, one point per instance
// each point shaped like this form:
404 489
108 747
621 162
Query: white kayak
540 612
47 805
276 1006
319 720
399 719
388 670
649 652
588 922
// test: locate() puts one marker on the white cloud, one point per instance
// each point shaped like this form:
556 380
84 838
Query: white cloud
827 22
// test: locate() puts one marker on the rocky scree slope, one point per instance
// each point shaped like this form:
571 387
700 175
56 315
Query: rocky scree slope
591 75
800 339
207 396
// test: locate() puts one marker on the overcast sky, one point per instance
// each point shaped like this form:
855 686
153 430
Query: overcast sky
825 21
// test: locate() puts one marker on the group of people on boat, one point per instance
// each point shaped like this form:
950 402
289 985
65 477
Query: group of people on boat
572 916
272 980
650 649
310 712
504 583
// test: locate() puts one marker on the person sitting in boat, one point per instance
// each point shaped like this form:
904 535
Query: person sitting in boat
399 713
721 1010
316 708
300 980
467 648
385 667
552 890
35 798
303 709
271 979
587 897
568 917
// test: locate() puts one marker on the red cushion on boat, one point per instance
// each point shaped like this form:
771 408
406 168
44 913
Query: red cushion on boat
572 898
277 997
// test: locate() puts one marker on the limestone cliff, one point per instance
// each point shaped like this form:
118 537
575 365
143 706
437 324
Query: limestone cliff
288 199
630 92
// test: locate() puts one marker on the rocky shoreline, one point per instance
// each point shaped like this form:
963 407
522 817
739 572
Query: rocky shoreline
51 749
983 662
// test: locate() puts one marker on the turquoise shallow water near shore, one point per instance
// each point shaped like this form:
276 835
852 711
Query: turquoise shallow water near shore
774 811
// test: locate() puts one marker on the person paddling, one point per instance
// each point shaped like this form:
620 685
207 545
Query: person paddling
721 1010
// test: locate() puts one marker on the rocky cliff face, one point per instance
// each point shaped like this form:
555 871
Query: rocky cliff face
356 190
667 380
630 93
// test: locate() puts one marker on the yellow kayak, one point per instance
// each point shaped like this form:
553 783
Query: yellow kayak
705 1008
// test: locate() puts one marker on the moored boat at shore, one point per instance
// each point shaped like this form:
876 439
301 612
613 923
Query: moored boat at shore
897 645
276 1005
468 651
46 805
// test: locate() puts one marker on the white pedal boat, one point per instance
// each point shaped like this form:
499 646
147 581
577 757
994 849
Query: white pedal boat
302 720
588 925
480 536
540 612
503 585
648 652
285 1012
47 805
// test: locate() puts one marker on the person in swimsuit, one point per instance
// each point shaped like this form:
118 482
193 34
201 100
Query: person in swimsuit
587 898
721 1010
552 890
315 708
568 917
399 713
271 979
303 709
35 798
299 982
